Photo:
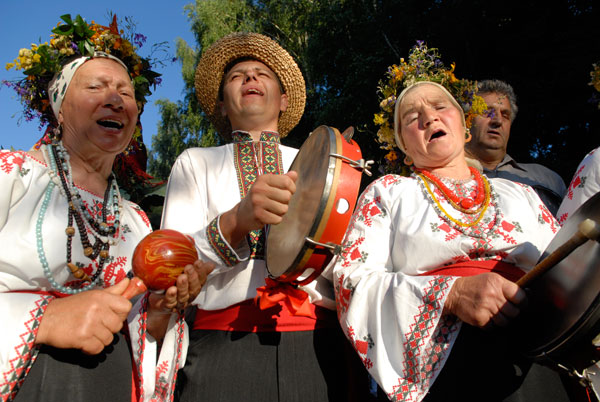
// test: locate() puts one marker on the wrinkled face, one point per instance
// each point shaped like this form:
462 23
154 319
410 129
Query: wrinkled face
251 93
492 130
431 127
99 112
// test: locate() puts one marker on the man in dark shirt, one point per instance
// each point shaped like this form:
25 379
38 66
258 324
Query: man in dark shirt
490 139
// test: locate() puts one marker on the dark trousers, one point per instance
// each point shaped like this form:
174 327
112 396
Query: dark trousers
485 366
60 375
300 366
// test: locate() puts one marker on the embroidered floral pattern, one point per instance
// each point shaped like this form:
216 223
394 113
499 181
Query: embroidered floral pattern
342 296
370 209
585 183
545 217
26 352
10 160
351 252
361 346
114 271
164 387
389 179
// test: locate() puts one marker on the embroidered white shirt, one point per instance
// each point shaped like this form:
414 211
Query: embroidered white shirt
388 306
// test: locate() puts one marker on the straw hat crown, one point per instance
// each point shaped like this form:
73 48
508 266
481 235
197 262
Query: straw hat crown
211 67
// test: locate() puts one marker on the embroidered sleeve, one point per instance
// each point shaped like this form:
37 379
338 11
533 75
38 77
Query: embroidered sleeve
13 181
220 245
186 210
585 184
393 320
21 314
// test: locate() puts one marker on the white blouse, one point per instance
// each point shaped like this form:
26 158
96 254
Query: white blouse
585 184
388 306
203 185
24 288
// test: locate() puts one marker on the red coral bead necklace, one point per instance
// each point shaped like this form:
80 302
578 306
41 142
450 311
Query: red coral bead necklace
463 204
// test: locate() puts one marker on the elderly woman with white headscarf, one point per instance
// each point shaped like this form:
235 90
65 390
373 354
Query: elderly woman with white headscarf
434 255
68 237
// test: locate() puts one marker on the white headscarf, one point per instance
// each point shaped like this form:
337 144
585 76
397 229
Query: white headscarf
59 84
397 136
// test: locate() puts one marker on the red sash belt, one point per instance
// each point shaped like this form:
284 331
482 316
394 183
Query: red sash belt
470 268
247 316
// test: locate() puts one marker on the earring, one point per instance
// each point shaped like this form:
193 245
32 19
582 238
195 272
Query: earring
130 148
468 135
56 133
407 160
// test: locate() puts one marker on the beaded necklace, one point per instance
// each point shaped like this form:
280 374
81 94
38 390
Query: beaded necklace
463 204
487 225
486 203
102 233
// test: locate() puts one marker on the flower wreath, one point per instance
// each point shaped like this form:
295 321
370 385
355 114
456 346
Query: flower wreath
73 38
423 64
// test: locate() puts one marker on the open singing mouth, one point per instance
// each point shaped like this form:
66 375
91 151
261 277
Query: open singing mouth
108 123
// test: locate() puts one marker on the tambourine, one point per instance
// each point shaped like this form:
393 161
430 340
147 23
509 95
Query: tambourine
329 167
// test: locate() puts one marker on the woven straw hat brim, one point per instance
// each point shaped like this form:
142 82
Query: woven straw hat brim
211 66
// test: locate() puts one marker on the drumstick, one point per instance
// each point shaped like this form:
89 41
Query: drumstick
587 230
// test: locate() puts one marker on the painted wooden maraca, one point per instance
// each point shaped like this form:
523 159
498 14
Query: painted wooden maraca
161 257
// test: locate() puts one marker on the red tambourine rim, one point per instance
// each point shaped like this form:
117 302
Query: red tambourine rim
329 226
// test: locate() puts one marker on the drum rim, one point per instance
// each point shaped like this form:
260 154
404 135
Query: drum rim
333 171
306 251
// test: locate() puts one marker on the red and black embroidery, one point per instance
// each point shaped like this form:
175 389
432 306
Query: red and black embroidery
26 352
369 210
142 215
249 164
545 217
424 351
164 388
219 245
351 252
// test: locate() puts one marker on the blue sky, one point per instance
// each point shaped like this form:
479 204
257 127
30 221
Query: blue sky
25 22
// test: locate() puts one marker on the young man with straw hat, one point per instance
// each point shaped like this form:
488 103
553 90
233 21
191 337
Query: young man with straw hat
254 93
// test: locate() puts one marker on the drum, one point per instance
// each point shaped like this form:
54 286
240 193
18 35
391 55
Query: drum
329 167
560 325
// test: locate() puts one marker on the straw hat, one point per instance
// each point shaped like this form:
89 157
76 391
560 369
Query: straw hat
211 66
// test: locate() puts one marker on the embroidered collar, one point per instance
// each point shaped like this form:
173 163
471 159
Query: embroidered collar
265 136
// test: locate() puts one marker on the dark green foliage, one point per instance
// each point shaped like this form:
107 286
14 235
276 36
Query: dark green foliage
544 49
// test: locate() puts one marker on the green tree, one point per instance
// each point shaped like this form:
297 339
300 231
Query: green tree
183 124
345 46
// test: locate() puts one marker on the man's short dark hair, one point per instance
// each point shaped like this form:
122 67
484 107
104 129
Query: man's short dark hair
503 88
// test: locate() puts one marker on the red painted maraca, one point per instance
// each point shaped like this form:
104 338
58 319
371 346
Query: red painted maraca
161 256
